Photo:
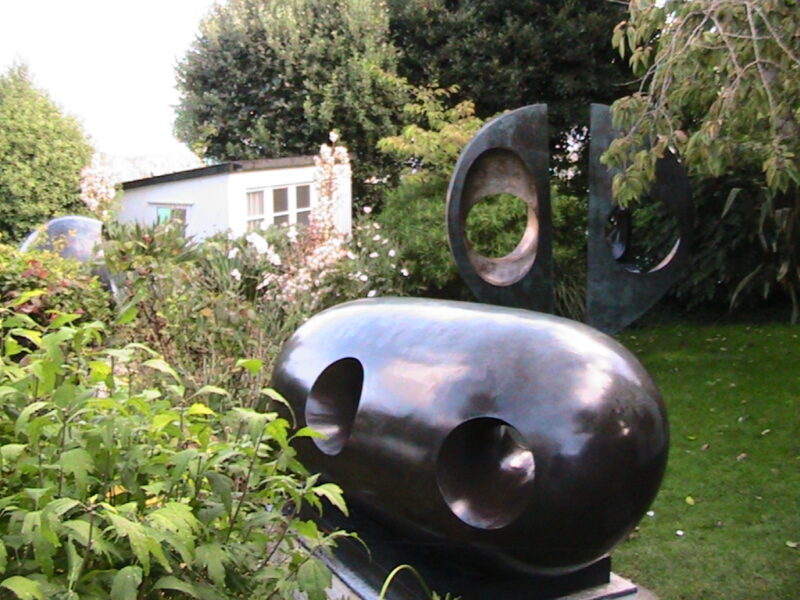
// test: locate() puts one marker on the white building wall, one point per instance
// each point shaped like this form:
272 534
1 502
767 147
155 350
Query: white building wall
205 199
217 203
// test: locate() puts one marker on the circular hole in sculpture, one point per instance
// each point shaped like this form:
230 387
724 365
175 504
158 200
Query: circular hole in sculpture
485 472
643 238
499 223
333 402
496 224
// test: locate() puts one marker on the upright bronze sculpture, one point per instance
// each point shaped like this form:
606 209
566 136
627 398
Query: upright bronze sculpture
617 293
523 443
510 155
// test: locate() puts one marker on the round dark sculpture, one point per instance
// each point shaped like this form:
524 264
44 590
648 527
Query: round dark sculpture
72 237
522 438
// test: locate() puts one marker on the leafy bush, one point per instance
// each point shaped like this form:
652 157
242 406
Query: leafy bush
62 284
570 222
414 213
118 482
204 305
42 152
738 259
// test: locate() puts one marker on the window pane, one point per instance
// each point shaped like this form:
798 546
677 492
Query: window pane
302 217
303 196
163 214
179 215
280 219
255 203
280 200
254 225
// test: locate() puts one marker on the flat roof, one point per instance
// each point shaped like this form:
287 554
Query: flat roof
235 166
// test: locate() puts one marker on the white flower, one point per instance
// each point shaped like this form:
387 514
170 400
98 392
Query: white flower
363 278
371 293
680 533
376 237
233 253
392 253
236 275
259 243
367 209
374 255
292 234
333 136
274 258
350 255
404 271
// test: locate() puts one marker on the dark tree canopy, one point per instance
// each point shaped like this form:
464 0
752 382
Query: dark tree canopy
42 152
269 79
508 53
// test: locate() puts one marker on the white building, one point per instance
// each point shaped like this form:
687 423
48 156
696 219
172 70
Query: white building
235 196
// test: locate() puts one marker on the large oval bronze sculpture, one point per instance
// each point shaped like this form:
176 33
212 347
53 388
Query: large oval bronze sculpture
523 438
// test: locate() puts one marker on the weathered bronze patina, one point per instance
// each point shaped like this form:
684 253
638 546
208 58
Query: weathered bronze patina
531 441
617 293
508 155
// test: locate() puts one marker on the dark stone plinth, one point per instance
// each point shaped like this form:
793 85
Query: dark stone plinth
364 573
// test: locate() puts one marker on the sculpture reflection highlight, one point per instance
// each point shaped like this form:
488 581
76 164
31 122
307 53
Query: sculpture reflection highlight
507 437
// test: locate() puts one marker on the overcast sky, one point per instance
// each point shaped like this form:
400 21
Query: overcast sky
110 63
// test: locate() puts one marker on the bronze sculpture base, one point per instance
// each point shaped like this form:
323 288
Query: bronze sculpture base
364 574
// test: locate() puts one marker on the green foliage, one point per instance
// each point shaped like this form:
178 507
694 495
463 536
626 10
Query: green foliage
205 305
51 283
273 78
413 213
429 146
719 86
119 482
42 152
510 53
496 224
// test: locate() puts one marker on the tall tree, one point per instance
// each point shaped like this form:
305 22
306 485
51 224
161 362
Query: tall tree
42 152
719 85
504 54
267 78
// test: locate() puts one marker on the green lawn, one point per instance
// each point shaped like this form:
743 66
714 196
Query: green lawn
733 481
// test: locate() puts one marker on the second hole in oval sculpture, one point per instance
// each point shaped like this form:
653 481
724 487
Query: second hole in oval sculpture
485 472
332 404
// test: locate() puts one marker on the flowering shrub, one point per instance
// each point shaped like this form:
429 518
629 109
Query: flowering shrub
98 191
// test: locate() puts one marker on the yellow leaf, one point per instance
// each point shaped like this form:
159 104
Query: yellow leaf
689 500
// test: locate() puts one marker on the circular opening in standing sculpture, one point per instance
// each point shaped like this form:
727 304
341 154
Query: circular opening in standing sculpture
643 238
496 224
496 177
332 404
485 472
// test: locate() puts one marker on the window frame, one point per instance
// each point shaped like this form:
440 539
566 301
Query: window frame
254 222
